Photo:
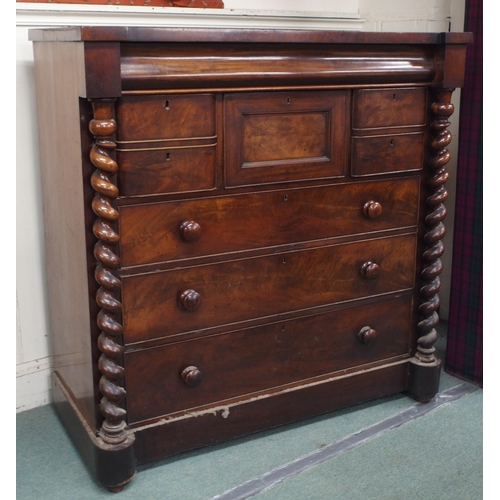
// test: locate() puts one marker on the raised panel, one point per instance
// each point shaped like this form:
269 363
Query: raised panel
267 139
284 136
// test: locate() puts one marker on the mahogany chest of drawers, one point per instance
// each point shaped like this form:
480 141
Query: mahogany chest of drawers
243 227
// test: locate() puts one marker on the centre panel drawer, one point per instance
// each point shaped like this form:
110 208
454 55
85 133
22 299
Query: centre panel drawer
187 299
191 373
285 136
170 231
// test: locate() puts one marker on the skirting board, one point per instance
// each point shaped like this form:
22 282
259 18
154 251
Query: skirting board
33 384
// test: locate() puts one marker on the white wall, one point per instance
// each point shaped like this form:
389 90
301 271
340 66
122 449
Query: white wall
33 362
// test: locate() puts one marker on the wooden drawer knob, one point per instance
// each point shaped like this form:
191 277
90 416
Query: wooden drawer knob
370 270
372 209
191 376
367 335
190 230
190 300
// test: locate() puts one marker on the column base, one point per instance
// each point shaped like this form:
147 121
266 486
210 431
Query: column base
423 381
113 466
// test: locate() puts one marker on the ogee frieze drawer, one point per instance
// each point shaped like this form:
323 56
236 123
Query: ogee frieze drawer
192 373
170 231
194 298
157 117
284 136
166 169
387 154
397 107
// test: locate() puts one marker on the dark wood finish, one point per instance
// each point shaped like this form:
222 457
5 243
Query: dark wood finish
243 227
153 232
389 108
113 466
393 153
239 290
233 419
165 168
284 136
243 362
147 118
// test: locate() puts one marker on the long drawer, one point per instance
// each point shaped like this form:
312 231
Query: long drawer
166 303
179 230
191 373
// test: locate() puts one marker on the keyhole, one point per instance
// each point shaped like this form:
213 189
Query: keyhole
288 100
285 197
167 105
284 260
167 156
282 328
391 142
393 97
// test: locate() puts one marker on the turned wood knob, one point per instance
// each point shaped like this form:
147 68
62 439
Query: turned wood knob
372 209
190 230
191 376
190 300
370 270
367 335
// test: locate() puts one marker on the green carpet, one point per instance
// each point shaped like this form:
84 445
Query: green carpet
422 459
437 456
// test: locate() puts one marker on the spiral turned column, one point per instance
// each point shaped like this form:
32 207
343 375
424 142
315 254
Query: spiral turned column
427 381
114 430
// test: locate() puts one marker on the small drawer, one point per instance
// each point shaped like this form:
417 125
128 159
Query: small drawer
165 170
387 154
157 117
167 303
192 373
284 136
396 107
177 230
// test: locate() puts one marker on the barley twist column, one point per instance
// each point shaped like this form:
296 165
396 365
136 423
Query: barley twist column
114 431
424 381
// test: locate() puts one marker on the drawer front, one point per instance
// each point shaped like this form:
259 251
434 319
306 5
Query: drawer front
387 154
181 300
284 136
156 117
166 170
246 361
179 230
389 108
